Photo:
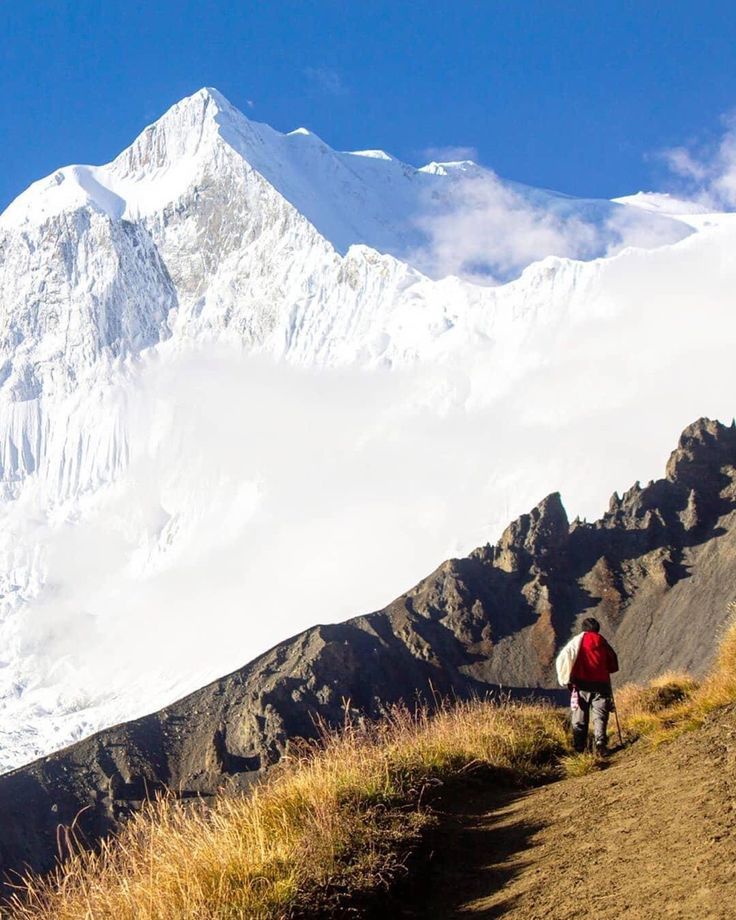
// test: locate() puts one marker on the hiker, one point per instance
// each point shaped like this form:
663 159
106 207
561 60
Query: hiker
585 666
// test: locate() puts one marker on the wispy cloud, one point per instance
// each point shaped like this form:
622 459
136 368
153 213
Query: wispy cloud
450 154
327 80
682 163
487 231
706 172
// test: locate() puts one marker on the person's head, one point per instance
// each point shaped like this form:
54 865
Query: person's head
590 624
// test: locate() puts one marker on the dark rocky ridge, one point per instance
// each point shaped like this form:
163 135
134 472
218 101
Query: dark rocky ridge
656 569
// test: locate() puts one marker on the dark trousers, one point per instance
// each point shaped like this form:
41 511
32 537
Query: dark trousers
600 705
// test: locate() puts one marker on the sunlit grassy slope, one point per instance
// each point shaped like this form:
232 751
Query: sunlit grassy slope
675 702
334 819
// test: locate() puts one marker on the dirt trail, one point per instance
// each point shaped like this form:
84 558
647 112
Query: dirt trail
652 836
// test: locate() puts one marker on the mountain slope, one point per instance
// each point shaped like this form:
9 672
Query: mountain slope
662 555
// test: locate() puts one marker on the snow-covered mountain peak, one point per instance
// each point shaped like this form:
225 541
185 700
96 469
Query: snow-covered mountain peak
175 140
181 132
211 96
238 228
467 167
363 197
156 169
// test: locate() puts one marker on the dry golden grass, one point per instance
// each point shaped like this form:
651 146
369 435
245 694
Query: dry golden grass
719 688
642 709
674 702
338 817
581 764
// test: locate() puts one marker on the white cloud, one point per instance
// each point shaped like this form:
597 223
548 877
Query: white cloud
634 227
681 162
707 172
485 231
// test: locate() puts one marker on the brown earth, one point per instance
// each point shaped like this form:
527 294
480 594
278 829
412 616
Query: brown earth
651 836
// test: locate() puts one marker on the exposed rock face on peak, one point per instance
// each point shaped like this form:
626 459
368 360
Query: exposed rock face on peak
179 134
695 491
696 464
656 570
538 536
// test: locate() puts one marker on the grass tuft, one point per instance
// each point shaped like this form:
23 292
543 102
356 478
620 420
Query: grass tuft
581 764
645 709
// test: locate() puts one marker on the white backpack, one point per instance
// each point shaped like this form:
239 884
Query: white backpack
566 659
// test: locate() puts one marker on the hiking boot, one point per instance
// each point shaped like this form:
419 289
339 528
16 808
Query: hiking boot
601 749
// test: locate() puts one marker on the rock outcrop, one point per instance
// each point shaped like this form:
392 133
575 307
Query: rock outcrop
656 569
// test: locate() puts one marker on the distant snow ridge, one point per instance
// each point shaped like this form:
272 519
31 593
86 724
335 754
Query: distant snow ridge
211 228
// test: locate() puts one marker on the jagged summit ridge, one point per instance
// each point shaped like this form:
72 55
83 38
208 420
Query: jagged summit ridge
701 449
538 534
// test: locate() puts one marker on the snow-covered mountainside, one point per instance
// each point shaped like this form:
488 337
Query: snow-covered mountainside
248 382
211 226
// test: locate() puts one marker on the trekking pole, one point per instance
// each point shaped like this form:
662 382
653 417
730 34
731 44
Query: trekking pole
618 724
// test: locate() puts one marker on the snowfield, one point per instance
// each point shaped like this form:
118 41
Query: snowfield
249 383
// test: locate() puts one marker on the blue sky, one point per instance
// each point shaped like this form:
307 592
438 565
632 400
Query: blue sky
575 96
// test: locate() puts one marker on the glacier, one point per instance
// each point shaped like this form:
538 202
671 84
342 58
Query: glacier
249 383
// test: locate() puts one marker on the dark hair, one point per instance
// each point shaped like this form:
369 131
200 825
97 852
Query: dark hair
590 624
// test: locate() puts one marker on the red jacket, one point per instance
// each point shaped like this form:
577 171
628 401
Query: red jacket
596 661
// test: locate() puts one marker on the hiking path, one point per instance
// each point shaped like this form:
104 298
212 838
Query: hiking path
653 835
